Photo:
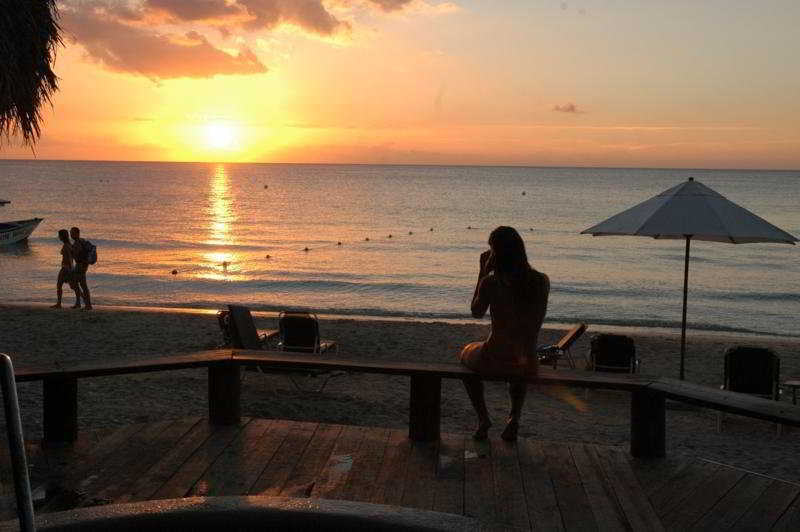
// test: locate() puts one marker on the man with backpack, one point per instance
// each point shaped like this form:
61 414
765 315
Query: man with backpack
81 250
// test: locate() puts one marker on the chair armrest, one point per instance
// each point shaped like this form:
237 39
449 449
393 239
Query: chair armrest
267 334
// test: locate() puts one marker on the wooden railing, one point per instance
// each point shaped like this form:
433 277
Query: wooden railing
648 394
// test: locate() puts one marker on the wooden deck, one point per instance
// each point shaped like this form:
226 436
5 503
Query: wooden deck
527 485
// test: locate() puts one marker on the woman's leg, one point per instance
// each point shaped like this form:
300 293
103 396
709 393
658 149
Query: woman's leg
59 289
474 387
517 390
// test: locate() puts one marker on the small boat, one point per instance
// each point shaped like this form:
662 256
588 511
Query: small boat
4 202
12 232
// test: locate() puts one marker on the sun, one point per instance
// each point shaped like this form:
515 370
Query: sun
220 135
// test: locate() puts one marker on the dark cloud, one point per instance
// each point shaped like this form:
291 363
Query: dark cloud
192 10
125 48
567 108
311 15
390 5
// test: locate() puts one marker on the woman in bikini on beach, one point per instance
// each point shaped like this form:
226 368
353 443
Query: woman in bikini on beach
516 296
65 274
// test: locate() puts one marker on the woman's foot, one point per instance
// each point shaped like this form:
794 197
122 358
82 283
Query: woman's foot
57 305
87 307
482 432
510 432
76 305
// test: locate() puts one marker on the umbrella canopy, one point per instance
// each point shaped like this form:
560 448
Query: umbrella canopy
691 211
29 35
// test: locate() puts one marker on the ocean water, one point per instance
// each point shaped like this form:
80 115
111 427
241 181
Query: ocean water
239 233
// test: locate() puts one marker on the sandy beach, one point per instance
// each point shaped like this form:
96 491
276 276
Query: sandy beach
38 335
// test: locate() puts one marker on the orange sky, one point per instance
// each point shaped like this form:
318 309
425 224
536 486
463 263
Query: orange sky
708 84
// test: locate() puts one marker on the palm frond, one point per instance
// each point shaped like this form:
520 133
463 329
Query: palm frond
29 35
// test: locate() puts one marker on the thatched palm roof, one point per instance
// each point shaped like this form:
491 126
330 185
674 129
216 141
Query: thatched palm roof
29 34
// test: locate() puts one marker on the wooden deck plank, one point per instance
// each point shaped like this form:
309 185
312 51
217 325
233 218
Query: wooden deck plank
66 496
419 487
367 465
145 487
508 490
479 481
305 475
703 499
449 496
681 486
653 475
255 463
279 469
389 484
790 519
154 448
333 476
192 470
229 463
576 512
768 509
607 511
540 494
734 504
636 507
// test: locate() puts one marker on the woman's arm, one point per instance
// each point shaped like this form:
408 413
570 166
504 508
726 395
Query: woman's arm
480 299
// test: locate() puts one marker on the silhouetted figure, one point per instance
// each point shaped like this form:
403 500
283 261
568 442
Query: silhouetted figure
80 253
516 295
67 271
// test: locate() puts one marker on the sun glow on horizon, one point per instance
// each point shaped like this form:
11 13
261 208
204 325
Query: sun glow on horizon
220 135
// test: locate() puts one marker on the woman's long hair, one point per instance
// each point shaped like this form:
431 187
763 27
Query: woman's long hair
511 264
63 235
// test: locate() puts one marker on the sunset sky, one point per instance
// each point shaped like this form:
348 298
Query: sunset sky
657 83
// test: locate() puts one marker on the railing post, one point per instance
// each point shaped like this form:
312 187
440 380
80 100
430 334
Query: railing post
224 394
648 424
60 403
425 408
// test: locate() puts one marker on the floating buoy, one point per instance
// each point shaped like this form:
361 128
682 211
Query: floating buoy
305 249
469 227
431 229
266 186
366 239
523 192
269 256
174 272
338 243
225 264
390 236
411 232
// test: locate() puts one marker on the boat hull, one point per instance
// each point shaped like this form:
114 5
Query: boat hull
17 231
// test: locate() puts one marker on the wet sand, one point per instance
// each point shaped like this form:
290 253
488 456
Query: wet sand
37 335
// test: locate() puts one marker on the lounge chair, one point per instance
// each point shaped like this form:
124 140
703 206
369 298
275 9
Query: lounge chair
239 329
299 332
754 371
614 353
550 354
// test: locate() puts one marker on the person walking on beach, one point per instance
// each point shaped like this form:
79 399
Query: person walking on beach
80 253
67 272
516 295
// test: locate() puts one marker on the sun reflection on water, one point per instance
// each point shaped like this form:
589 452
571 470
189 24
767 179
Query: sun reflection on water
221 214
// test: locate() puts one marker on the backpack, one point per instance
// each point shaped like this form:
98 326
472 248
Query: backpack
90 252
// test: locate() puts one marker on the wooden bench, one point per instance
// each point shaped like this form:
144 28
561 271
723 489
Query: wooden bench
648 394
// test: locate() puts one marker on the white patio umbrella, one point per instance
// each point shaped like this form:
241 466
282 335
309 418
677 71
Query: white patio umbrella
691 211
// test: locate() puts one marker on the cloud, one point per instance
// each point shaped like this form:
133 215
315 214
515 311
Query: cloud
139 50
183 10
390 5
567 108
310 15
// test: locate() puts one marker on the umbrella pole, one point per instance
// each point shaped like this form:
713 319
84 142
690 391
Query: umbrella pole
685 292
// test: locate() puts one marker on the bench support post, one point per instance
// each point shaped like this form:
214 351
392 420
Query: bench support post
224 394
60 416
648 424
425 408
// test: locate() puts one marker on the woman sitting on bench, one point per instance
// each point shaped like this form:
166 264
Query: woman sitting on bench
517 296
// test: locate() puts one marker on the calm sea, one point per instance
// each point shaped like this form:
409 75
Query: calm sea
410 239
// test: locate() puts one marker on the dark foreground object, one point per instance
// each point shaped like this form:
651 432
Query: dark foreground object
249 513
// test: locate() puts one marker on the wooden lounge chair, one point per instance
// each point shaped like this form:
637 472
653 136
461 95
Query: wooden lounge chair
239 329
754 371
551 354
299 332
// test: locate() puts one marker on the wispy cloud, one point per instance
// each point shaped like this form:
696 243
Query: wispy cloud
567 108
